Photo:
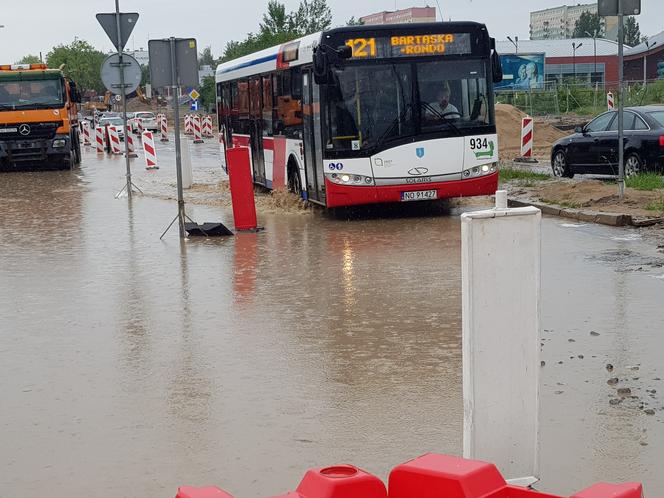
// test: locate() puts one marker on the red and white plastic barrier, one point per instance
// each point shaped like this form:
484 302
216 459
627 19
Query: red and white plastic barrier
163 127
527 137
129 138
188 126
198 131
85 130
149 150
207 127
100 139
429 475
114 137
139 127
610 104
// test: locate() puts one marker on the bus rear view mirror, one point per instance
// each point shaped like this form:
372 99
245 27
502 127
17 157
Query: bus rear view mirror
345 52
321 66
496 67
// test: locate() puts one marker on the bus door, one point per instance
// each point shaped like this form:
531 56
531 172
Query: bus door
313 153
256 130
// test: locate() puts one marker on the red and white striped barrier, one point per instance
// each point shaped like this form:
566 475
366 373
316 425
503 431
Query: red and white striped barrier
85 130
163 127
527 137
149 151
114 137
207 127
100 142
198 131
610 104
129 138
188 126
139 127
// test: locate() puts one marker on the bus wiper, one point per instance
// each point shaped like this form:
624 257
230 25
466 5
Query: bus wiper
442 117
399 119
38 105
8 106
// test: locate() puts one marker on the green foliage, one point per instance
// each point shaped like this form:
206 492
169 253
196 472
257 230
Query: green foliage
508 174
82 63
208 92
354 22
205 58
656 206
632 31
645 181
278 27
29 59
587 23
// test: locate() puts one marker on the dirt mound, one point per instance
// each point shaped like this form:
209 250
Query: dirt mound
508 123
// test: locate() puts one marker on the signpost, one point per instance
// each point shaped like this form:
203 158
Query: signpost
620 8
118 26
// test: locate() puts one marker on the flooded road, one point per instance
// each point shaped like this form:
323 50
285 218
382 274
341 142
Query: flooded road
130 365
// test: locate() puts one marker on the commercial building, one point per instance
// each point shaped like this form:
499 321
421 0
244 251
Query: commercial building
647 56
557 22
404 16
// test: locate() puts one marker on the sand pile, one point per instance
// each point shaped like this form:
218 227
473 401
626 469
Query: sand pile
508 123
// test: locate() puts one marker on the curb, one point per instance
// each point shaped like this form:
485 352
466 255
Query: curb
610 219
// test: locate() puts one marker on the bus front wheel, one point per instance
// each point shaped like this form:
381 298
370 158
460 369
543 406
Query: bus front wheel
294 183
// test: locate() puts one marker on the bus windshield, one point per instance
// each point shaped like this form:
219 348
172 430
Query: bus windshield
369 105
20 94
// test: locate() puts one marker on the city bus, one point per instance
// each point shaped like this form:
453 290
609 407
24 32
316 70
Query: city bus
368 114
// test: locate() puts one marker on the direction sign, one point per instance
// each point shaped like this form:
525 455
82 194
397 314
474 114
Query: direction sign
607 8
161 62
127 23
194 95
110 73
194 105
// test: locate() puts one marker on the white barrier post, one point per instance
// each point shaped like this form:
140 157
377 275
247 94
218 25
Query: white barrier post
610 104
187 125
527 137
198 138
99 139
114 137
500 261
187 174
163 127
129 137
149 151
207 127
85 128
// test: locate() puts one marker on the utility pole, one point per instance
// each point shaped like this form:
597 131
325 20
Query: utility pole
645 60
621 131
123 94
594 37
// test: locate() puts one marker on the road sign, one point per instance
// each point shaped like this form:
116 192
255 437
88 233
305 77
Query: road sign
118 98
127 23
186 57
194 105
194 95
110 74
610 7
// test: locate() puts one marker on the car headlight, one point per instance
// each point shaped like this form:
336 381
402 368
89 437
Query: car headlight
59 143
349 179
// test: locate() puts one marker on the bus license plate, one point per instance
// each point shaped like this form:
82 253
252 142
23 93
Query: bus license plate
419 195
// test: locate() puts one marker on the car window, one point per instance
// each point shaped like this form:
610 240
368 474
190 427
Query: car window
657 116
640 124
600 122
629 122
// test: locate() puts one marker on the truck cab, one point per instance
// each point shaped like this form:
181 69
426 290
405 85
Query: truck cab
39 126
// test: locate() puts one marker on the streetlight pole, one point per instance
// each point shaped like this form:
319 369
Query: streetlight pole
574 49
515 42
621 131
645 60
594 37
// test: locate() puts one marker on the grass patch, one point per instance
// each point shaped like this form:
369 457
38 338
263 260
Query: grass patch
656 206
645 181
508 174
565 204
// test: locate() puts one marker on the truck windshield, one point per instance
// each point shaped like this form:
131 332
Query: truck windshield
369 105
19 94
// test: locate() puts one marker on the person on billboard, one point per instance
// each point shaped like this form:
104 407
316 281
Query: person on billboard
535 79
522 79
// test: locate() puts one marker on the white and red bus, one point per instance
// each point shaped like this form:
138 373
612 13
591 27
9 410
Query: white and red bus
367 114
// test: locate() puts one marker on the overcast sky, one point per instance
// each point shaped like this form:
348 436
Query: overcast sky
33 26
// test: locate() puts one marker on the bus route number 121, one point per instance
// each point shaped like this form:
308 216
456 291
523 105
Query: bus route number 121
362 47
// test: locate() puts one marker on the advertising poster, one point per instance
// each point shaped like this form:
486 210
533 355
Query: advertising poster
522 72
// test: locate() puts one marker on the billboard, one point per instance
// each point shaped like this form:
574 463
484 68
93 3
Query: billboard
522 72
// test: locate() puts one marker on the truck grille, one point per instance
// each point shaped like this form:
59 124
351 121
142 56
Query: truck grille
30 131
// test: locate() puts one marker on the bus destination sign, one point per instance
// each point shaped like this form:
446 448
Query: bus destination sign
410 45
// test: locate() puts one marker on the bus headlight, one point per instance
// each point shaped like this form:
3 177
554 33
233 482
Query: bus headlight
349 179
485 169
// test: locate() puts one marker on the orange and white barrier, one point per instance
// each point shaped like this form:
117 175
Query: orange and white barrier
85 130
527 137
149 151
129 138
188 125
610 104
198 132
114 137
100 142
163 127
207 127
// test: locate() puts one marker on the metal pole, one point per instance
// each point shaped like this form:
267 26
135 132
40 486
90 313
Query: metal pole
176 129
123 95
621 131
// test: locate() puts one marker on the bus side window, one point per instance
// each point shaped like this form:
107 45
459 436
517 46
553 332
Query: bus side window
289 107
267 106
243 108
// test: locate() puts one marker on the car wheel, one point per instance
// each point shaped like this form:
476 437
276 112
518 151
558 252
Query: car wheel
633 165
560 166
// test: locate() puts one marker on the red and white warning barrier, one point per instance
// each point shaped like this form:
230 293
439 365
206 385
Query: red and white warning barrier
163 126
149 151
527 137
85 130
610 104
129 138
139 127
188 125
198 131
207 127
100 139
114 137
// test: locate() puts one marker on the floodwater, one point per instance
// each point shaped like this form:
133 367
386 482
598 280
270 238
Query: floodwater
130 365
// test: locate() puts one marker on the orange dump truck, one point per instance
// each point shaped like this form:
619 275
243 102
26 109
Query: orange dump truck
39 126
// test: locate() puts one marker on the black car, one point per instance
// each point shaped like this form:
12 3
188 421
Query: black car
593 149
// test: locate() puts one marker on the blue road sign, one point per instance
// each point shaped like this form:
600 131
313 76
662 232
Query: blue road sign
194 105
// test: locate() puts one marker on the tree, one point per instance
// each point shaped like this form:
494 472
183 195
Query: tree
29 59
206 58
208 92
632 32
310 17
354 22
588 23
82 63
275 20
